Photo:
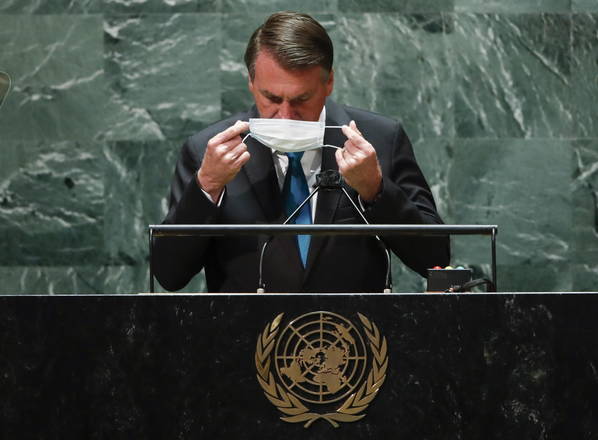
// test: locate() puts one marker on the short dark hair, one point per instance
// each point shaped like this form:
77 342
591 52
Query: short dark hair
295 40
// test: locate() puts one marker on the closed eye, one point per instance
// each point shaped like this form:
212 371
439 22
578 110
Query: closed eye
274 99
300 99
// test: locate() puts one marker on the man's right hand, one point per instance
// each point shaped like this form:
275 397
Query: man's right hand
224 157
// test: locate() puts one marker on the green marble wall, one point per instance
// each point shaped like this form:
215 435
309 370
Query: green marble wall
499 98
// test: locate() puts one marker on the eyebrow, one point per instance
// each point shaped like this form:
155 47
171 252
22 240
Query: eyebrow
268 94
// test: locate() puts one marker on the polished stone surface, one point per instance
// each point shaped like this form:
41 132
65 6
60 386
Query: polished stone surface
513 6
402 6
470 366
535 224
585 213
499 99
584 74
58 85
134 196
584 6
50 6
163 68
409 80
513 75
52 204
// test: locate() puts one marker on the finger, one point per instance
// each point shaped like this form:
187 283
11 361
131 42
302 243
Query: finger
235 152
353 150
348 146
355 138
241 160
340 160
238 128
234 142
353 126
231 132
350 132
226 147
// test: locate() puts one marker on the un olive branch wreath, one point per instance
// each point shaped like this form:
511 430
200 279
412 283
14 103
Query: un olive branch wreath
290 405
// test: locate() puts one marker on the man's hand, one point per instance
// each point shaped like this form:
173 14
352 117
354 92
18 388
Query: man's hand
358 164
224 157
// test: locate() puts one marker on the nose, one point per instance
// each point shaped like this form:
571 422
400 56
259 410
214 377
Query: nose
285 111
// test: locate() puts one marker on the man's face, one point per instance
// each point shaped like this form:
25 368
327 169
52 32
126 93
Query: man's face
289 94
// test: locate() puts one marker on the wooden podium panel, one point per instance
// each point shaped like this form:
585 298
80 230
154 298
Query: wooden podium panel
469 366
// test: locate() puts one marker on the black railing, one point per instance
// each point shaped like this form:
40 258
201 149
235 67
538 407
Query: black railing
319 229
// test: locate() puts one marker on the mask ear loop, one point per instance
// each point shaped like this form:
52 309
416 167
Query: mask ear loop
333 146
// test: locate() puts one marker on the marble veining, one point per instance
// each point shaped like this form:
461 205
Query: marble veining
498 99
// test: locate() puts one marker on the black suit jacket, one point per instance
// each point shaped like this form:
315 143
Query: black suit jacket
335 263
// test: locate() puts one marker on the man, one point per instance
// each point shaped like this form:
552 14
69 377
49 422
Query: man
224 176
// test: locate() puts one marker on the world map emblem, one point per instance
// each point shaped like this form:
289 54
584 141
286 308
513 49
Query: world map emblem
321 366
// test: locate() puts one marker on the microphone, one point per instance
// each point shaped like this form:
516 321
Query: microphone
4 86
261 287
387 281
327 180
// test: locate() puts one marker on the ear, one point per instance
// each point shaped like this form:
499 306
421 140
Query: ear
330 83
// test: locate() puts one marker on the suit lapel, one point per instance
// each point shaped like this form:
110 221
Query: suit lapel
261 175
328 200
263 181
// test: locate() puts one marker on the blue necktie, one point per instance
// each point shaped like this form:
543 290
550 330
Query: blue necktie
294 192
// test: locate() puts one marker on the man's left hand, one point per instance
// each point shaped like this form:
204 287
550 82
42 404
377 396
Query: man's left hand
358 164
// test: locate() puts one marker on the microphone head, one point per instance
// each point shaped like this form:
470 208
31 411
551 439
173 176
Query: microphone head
329 179
4 86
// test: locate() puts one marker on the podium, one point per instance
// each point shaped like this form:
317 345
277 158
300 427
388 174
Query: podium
271 230
470 366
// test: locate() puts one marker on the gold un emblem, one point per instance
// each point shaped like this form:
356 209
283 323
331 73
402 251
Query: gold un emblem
317 367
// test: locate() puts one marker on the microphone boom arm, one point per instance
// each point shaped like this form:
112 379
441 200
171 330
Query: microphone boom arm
326 180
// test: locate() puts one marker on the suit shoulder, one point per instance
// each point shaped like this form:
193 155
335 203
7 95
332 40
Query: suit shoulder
373 119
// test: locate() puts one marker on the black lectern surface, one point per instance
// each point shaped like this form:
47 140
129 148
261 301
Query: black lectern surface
468 366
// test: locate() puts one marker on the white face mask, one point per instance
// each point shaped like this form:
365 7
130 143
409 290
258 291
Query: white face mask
289 135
